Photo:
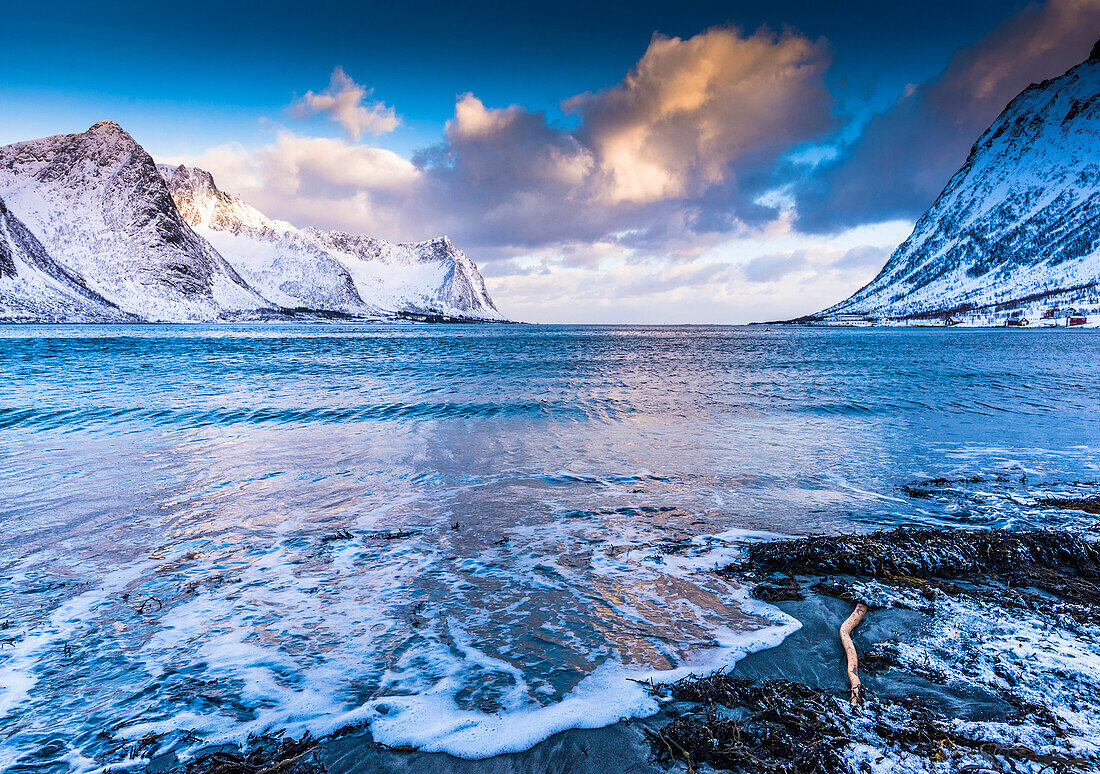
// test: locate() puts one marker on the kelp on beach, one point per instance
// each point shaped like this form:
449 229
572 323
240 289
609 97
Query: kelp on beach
779 726
1010 614
1055 561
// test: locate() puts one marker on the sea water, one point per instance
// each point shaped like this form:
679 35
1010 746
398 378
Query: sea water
467 537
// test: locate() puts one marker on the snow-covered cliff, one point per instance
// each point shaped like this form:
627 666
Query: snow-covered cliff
1017 226
271 255
330 270
100 209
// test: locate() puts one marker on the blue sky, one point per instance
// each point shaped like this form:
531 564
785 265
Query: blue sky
554 102
199 73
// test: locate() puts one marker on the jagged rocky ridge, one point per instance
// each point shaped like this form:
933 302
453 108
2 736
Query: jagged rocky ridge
330 270
1017 227
89 231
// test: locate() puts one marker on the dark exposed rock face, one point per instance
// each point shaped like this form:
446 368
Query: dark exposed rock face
7 261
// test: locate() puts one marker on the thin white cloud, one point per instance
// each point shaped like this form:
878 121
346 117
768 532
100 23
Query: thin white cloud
344 101
813 262
771 273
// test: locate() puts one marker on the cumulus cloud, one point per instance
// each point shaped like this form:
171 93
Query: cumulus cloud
691 109
681 148
904 157
344 101
320 181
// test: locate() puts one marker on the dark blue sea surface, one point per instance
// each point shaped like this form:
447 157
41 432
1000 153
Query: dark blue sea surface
467 536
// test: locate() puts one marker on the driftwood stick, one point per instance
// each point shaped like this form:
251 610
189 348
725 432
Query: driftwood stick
846 630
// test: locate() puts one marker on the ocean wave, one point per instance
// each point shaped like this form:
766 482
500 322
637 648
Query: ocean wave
88 417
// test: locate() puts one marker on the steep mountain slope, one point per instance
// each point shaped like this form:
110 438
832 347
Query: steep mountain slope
90 226
100 209
34 287
271 255
1019 223
330 270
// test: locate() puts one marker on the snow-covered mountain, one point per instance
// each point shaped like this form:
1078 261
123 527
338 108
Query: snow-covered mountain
330 270
433 276
272 256
1018 226
34 287
98 206
89 231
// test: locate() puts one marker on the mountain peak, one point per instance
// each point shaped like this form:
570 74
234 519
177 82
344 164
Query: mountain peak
198 180
108 135
106 128
1095 55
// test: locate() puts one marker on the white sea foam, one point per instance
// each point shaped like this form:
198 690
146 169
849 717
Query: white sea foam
415 702
610 693
17 672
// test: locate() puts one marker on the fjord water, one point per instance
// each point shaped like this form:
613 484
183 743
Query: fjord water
530 513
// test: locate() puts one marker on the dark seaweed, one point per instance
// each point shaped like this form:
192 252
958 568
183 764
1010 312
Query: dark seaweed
1054 561
394 534
1086 504
264 754
926 489
784 727
779 590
